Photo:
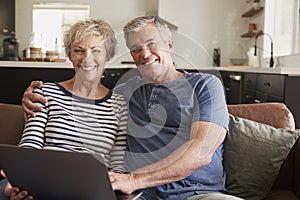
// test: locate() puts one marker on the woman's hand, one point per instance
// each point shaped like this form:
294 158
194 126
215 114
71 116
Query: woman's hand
14 193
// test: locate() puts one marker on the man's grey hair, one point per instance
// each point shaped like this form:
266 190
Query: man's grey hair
138 23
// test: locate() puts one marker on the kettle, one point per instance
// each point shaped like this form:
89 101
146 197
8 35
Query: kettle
253 60
11 49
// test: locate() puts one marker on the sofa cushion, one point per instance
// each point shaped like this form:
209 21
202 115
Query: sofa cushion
253 154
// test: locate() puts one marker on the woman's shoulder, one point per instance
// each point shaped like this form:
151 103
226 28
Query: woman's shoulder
117 96
50 85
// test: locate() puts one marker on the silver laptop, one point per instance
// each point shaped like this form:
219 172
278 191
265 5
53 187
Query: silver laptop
58 175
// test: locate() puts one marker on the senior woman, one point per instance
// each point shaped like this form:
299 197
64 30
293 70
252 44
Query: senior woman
80 113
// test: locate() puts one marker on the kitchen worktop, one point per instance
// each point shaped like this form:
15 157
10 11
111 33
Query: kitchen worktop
291 71
29 64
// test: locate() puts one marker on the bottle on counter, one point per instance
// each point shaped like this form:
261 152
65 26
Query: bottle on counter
216 57
252 59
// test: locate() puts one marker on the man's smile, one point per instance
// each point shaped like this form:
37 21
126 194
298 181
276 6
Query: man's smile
150 62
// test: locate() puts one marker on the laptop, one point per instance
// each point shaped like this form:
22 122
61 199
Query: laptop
59 175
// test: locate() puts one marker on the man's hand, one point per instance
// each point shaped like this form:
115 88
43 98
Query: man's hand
28 106
14 193
123 182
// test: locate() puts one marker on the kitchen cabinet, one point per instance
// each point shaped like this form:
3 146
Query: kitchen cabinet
260 88
270 87
249 88
15 80
232 82
12 91
113 77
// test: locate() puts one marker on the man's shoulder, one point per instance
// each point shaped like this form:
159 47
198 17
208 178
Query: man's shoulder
200 77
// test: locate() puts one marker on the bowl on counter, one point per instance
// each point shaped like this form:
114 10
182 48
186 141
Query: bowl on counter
238 61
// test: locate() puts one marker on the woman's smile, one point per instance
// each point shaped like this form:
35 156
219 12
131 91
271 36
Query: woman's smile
87 68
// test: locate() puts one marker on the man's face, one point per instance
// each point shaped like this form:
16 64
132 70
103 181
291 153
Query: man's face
151 54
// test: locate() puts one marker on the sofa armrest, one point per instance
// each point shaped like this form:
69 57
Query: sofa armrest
297 167
281 195
11 123
274 114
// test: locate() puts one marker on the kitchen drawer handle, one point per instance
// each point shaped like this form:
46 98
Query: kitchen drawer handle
235 77
257 101
268 84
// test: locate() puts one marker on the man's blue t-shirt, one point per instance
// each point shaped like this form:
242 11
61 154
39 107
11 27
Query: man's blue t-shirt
160 119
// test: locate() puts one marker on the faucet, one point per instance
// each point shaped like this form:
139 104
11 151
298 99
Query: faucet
255 47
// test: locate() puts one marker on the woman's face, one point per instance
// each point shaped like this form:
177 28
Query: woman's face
89 57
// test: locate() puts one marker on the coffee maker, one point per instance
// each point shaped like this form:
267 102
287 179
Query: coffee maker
11 49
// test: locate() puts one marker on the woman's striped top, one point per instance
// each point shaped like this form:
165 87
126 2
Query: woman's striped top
72 123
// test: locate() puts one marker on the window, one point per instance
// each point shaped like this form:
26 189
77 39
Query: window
50 20
282 24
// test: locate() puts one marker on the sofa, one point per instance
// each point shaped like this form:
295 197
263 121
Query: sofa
287 183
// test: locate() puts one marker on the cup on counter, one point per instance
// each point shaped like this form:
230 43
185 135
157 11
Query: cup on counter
52 55
35 52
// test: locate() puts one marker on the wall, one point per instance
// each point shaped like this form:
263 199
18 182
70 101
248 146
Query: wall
210 23
288 61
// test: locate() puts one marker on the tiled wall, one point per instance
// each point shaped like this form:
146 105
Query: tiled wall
213 23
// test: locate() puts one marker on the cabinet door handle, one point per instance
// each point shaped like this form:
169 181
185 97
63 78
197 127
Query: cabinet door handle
268 84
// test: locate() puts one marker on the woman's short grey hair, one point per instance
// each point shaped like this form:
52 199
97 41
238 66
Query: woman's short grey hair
140 22
95 27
